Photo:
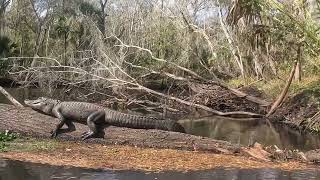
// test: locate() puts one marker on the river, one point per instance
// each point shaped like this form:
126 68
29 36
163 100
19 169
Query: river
16 170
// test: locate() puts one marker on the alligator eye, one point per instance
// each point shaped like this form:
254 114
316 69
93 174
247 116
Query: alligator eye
36 102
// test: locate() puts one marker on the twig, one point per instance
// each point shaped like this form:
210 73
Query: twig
157 59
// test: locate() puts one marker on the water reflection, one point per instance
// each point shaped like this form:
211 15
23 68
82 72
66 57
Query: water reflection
15 170
247 132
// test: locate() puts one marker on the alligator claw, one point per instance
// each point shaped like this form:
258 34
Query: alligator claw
54 134
84 133
87 135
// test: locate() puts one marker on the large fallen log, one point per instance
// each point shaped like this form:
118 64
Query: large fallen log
31 123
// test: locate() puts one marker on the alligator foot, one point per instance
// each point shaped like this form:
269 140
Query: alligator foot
88 135
54 134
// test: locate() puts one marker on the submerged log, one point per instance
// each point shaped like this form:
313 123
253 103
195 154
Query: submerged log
31 123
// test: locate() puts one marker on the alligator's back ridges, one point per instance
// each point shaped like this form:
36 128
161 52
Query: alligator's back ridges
144 122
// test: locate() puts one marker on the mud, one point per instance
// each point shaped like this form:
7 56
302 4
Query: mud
117 157
297 110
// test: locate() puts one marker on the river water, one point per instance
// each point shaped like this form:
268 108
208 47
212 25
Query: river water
247 132
16 170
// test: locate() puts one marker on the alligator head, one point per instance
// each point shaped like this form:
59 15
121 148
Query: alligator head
42 104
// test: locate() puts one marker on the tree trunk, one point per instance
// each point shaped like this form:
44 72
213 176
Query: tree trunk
103 16
234 49
297 74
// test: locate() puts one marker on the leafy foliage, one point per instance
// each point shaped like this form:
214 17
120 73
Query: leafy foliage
89 9
6 137
7 48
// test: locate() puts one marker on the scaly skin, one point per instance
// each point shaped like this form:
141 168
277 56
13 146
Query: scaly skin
96 116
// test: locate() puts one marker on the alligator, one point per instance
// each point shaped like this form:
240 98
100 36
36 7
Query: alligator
95 117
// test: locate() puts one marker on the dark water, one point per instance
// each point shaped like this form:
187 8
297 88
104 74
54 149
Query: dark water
16 170
232 130
21 94
251 131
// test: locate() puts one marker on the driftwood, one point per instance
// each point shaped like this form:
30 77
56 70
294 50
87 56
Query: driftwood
11 99
31 123
284 92
235 114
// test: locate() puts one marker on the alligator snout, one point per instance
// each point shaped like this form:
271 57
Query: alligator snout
27 101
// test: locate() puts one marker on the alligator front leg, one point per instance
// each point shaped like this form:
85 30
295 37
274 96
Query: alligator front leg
62 120
92 121
55 132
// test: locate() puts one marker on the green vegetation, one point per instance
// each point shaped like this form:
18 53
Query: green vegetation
27 145
7 48
13 142
5 138
312 90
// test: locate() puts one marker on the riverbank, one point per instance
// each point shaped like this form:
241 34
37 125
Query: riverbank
301 110
119 157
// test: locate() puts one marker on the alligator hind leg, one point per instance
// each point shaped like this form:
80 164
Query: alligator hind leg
71 126
93 121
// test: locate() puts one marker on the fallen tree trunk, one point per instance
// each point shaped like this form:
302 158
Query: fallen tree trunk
31 123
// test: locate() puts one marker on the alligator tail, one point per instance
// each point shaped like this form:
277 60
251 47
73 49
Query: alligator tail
141 122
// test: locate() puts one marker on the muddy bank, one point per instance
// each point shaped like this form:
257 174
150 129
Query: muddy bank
300 111
97 156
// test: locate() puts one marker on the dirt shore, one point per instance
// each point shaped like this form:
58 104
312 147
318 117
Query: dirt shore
64 153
